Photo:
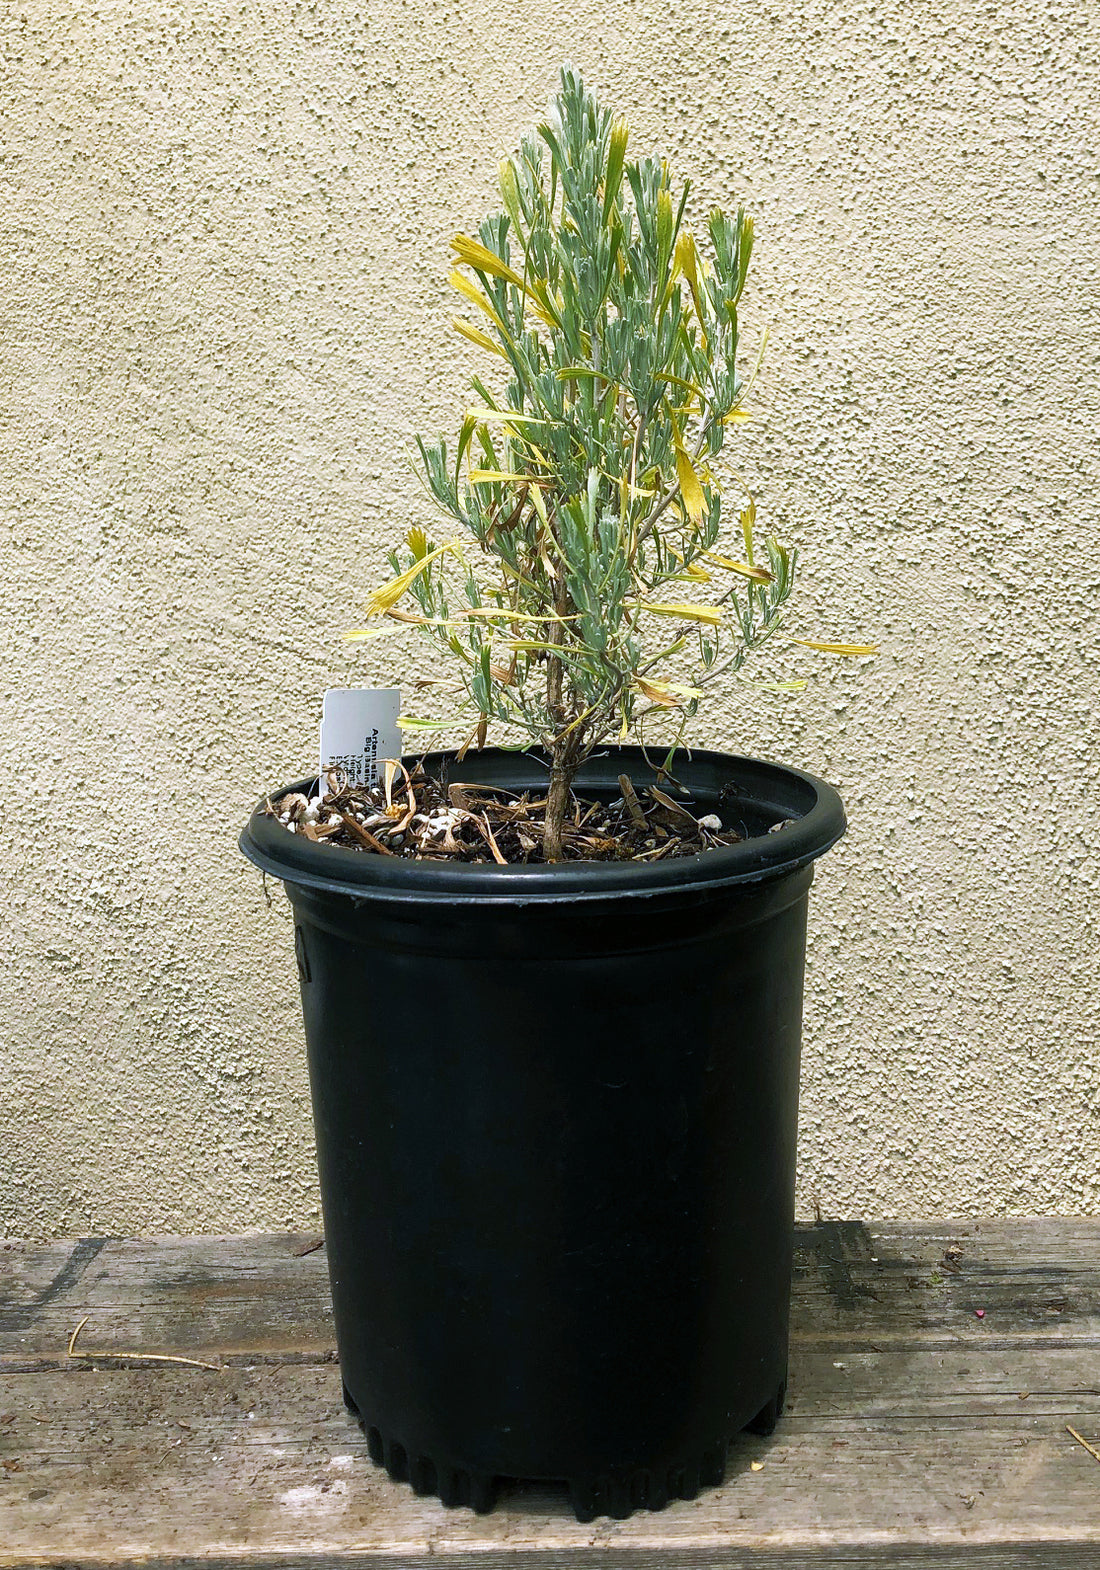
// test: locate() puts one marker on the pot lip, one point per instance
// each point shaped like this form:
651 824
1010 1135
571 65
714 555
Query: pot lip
773 787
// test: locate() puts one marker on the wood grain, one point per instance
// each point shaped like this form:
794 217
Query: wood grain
919 1434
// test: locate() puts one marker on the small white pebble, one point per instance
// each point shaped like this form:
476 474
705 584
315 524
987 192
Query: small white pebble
333 819
712 821
293 827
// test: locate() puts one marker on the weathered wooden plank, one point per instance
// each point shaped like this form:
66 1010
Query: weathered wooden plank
180 1466
919 1434
904 1282
243 1298
247 1297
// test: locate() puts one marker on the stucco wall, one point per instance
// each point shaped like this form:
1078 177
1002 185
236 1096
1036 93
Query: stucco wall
225 312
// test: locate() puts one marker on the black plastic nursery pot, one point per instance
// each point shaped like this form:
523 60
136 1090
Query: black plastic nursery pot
556 1110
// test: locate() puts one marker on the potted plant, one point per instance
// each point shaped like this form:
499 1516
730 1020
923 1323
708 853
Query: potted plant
555 1090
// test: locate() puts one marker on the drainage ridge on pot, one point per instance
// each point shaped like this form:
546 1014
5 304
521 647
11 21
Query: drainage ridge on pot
556 1111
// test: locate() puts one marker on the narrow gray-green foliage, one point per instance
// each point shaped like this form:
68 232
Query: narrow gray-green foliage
585 585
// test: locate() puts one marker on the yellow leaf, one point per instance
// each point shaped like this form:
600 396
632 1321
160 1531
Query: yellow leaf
748 518
664 223
615 154
479 256
656 694
571 373
500 416
407 722
685 260
498 476
531 646
837 648
382 599
572 726
517 577
417 541
475 297
690 489
506 614
362 634
710 614
413 617
465 437
540 507
757 574
473 254
692 573
509 190
475 335
544 307
772 686
736 414
404 617
678 381
668 693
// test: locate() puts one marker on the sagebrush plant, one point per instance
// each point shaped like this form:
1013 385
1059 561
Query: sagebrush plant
586 575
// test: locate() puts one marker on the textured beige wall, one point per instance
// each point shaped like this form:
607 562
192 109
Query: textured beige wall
224 234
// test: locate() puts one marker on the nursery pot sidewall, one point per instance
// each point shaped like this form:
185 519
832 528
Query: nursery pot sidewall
556 1135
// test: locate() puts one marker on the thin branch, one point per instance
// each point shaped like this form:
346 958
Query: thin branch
651 521
144 1357
1093 1452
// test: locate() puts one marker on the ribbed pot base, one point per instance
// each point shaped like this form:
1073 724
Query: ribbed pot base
617 1495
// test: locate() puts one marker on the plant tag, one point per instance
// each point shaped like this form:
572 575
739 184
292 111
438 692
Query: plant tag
359 731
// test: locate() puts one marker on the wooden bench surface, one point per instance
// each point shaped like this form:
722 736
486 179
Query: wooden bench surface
935 1368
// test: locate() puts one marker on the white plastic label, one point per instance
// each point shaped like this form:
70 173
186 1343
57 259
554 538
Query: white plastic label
358 730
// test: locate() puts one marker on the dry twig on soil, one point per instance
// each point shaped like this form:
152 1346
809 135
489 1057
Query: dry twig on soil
438 821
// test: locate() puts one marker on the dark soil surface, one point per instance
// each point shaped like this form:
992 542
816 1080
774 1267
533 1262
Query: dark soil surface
420 818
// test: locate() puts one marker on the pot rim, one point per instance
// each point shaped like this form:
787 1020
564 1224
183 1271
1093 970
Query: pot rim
762 788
